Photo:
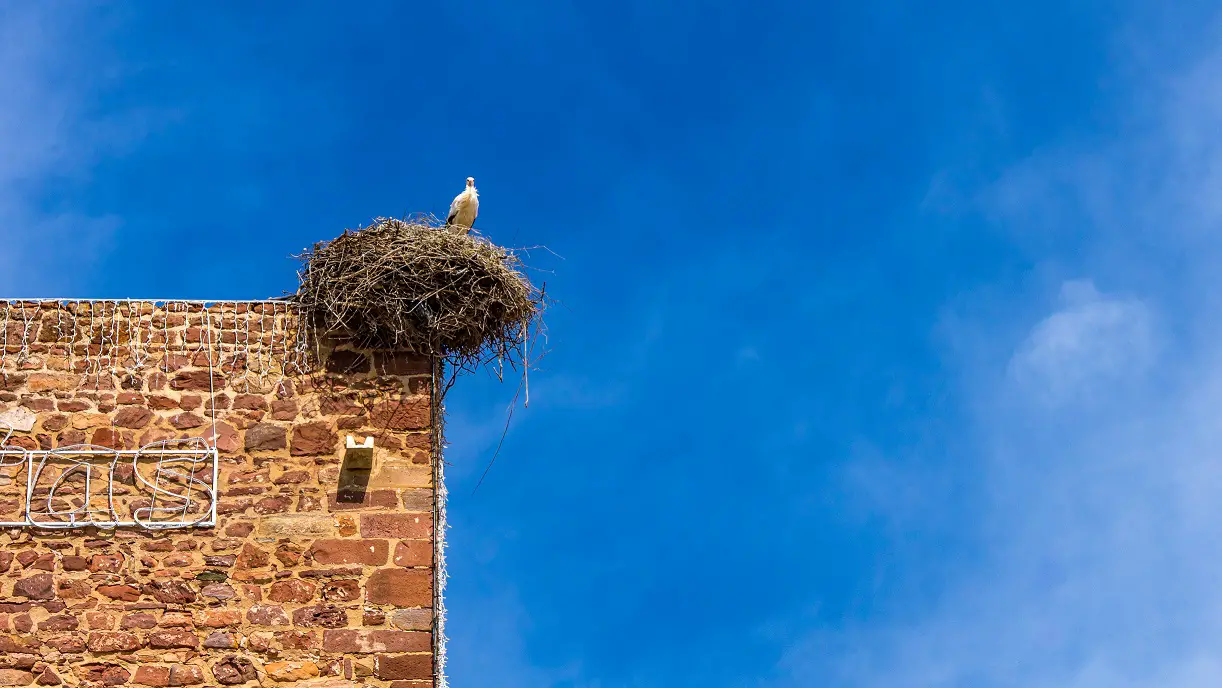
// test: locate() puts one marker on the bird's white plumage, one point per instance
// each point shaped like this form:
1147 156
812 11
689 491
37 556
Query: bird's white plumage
465 207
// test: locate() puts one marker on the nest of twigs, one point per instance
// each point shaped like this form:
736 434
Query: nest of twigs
414 285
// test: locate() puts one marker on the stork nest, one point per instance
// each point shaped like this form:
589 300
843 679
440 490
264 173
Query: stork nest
415 285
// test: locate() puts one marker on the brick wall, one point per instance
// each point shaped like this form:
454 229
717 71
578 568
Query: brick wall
313 575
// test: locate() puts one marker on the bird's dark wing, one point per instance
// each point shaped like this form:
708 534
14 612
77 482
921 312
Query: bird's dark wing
451 216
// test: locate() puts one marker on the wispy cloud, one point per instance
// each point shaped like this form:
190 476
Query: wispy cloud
1095 435
1091 341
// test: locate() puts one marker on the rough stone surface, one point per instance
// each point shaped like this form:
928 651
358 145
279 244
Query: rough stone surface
303 581
314 439
233 670
266 437
37 587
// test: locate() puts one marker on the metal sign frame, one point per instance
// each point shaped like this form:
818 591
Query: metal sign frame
176 460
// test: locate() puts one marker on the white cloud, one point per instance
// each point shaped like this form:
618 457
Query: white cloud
1090 341
1096 512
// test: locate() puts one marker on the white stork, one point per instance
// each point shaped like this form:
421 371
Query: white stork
464 208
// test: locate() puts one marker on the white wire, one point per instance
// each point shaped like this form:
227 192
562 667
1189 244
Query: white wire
192 451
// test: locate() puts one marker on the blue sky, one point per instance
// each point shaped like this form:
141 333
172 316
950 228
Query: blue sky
887 352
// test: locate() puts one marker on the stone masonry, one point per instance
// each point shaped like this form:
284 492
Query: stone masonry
306 580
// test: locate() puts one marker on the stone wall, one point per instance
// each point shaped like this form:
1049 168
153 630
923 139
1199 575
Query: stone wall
313 575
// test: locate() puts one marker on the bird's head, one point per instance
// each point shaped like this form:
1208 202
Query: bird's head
470 182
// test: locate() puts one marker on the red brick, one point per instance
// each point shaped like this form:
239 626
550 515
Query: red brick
341 591
73 563
400 587
252 557
99 621
371 552
250 402
266 437
404 526
106 562
273 505
105 674
267 615
221 561
326 616
362 641
176 620
126 593
239 530
220 591
413 619
232 670
160 403
73 589
112 641
37 587
418 499
44 562
292 477
284 409
133 417
336 405
195 380
293 590
172 592
138 620
361 500
288 555
71 643
299 639
186 675
62 622
414 553
152 676
313 439
417 667
220 640
107 437
226 438
173 638
412 413
186 421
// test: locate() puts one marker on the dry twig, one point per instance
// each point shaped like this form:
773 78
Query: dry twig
413 285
